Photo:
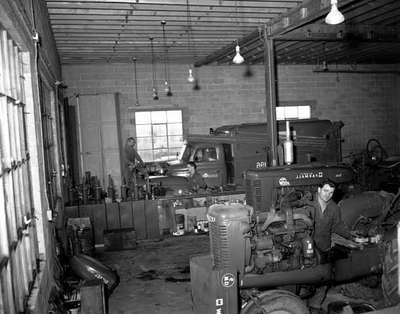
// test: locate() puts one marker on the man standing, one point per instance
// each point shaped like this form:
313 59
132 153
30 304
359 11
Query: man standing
327 219
133 164
196 181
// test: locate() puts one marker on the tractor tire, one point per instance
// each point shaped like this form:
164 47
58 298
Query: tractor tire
275 302
390 273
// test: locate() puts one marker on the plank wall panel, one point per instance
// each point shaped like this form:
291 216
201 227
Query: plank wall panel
151 212
139 219
112 216
126 214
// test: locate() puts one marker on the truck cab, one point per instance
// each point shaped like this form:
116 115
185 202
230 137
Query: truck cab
223 156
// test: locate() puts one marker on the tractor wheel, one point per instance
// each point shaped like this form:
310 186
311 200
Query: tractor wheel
390 273
275 302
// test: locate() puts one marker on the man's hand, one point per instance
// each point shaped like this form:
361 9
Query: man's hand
358 237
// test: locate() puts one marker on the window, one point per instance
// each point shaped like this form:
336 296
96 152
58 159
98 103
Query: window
159 134
18 238
205 154
293 112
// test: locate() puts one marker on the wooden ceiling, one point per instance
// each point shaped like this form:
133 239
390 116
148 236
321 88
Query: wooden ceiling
206 31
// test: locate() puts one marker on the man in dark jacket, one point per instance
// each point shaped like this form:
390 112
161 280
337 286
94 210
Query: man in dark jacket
196 181
133 165
327 219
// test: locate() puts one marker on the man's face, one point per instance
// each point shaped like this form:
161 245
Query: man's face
191 170
325 193
131 143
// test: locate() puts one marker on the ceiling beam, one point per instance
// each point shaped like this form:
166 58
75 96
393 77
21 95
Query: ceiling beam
304 14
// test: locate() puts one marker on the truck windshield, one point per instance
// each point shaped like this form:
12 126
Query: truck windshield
185 152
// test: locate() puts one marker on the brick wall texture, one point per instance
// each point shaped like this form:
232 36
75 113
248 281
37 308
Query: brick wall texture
366 103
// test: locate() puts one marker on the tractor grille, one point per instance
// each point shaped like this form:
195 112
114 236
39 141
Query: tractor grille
220 245
253 193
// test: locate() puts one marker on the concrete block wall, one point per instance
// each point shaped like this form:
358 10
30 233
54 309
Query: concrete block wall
366 103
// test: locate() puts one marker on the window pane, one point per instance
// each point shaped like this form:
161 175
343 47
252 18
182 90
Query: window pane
147 155
159 129
175 141
160 142
175 129
161 154
143 117
304 112
143 130
280 113
174 116
144 143
158 117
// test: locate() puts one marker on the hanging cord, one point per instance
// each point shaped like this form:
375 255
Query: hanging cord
192 46
136 86
153 67
166 61
189 26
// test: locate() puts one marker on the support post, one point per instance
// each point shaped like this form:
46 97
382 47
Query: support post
270 93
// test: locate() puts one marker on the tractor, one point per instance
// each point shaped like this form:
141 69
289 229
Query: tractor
262 254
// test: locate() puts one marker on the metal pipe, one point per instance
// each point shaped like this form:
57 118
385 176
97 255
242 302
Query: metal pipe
359 263
318 274
78 119
270 92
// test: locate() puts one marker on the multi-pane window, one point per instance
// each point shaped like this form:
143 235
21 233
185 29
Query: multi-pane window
159 134
18 241
293 112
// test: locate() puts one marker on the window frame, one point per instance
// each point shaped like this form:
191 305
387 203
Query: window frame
18 234
171 150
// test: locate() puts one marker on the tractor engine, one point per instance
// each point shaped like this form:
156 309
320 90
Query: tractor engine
241 241
275 232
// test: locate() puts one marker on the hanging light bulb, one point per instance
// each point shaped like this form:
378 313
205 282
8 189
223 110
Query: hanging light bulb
334 16
155 92
238 59
190 78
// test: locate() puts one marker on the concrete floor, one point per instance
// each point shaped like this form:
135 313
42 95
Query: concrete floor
154 277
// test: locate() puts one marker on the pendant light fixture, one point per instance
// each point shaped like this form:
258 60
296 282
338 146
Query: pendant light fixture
334 16
190 77
237 59
153 68
167 86
135 79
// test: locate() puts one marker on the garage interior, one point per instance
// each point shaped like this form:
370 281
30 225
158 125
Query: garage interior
80 77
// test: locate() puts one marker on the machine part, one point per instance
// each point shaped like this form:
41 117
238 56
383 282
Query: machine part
308 247
89 268
275 301
264 188
288 146
375 152
390 275
371 204
357 264
229 225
